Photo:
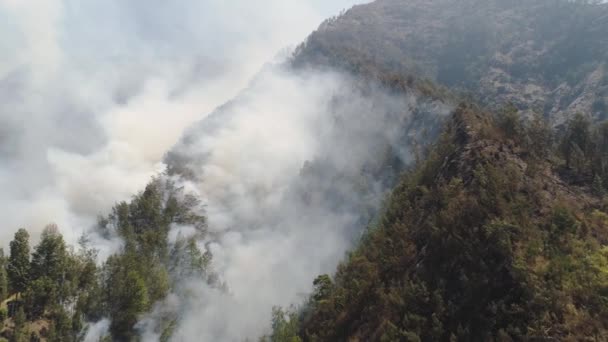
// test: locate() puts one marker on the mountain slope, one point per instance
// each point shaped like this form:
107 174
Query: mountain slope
498 231
483 241
291 171
541 55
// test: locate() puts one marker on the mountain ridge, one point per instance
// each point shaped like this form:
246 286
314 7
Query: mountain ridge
455 255
542 56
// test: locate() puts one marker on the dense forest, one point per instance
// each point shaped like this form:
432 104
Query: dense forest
499 235
52 291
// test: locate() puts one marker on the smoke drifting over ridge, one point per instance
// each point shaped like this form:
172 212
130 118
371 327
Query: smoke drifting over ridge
290 172
92 94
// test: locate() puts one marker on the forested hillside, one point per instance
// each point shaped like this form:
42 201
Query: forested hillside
382 119
440 167
497 236
51 292
500 232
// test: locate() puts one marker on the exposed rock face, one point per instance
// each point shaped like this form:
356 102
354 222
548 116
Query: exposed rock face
544 56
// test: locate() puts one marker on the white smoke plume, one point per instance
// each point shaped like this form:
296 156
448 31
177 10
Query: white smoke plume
96 332
287 171
93 93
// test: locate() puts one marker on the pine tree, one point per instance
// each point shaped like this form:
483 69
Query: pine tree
539 137
598 186
3 277
323 287
19 262
576 143
127 296
62 325
510 122
20 331
50 258
284 326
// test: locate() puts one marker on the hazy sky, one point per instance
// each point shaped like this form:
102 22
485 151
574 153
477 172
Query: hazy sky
94 92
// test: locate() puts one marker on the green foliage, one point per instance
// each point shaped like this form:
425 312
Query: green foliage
19 262
50 256
284 327
322 288
143 274
41 293
510 122
50 272
469 247
186 259
539 137
598 186
584 149
3 315
576 143
61 327
19 331
4 288
168 330
67 288
127 299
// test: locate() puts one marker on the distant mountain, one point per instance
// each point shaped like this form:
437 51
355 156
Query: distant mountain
546 56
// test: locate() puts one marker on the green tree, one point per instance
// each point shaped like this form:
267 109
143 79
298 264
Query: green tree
126 295
3 276
50 260
539 137
576 143
510 122
187 260
19 331
54 275
62 327
19 262
40 295
50 256
89 304
598 186
284 326
322 287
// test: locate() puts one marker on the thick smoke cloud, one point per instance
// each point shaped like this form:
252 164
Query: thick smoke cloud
92 94
291 172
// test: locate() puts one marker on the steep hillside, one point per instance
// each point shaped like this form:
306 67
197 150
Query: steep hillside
369 127
483 241
541 55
